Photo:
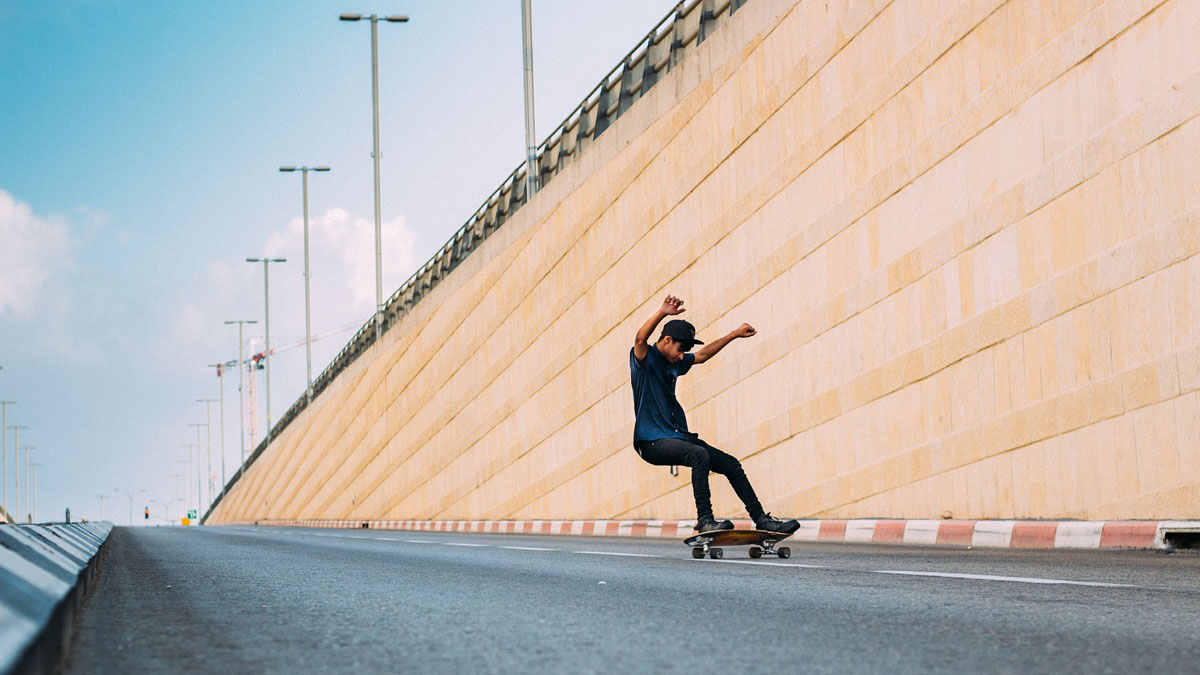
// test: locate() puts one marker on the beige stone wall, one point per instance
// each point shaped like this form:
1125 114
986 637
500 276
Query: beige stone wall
966 231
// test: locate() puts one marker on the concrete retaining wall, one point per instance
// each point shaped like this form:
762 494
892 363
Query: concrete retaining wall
967 233
45 572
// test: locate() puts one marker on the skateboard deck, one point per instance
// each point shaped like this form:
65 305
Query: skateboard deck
761 542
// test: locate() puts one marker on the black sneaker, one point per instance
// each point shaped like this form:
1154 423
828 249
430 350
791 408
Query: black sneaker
766 522
708 524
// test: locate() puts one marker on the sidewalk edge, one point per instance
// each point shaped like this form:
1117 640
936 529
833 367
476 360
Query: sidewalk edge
1057 534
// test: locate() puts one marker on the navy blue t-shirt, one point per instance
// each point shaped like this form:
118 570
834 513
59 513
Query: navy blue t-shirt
659 414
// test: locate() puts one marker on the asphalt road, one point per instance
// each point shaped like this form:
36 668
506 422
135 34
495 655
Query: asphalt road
240 599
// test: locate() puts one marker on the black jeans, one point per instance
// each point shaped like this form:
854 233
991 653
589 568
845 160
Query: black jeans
703 458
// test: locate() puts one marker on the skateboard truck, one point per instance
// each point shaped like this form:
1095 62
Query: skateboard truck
705 550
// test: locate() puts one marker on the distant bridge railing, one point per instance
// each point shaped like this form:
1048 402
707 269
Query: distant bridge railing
678 34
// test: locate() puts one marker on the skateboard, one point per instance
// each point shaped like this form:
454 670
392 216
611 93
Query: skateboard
761 543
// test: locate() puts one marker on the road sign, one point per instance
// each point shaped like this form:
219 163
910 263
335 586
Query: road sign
192 514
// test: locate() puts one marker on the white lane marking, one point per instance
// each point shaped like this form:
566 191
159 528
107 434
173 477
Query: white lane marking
764 562
418 541
455 543
381 538
528 548
627 555
991 577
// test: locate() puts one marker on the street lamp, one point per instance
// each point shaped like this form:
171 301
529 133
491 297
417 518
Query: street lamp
26 448
34 466
221 379
187 467
4 453
241 382
208 424
101 498
531 175
130 495
166 508
16 468
199 500
307 304
374 19
267 326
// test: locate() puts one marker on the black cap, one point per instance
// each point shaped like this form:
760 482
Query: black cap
682 331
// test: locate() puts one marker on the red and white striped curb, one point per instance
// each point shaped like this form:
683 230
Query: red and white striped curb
975 533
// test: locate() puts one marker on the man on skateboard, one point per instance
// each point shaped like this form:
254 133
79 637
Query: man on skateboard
660 434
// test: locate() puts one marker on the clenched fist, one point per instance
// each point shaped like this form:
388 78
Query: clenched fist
744 331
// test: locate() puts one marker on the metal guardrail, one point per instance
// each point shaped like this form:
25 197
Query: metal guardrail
679 33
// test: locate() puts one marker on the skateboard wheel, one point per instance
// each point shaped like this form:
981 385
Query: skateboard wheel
784 552
697 553
716 553
755 552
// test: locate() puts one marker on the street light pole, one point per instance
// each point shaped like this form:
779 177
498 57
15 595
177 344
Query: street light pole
208 428
241 381
267 325
166 508
27 448
308 393
4 436
34 466
199 499
101 497
374 18
130 495
221 378
531 175
17 469
187 468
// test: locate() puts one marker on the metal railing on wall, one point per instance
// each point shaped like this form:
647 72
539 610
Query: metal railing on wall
678 34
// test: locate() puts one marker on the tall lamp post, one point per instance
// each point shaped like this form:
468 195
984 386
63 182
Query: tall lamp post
17 468
101 498
308 393
531 175
166 508
34 466
221 378
208 424
187 482
27 448
241 382
4 453
267 316
199 499
130 495
374 19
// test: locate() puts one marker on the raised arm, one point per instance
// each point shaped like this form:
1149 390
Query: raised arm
641 342
710 350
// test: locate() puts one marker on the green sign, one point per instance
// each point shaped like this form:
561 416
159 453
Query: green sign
192 514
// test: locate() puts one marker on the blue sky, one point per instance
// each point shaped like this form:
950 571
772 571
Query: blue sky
139 152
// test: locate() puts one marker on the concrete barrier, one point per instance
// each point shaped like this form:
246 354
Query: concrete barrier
963 230
45 573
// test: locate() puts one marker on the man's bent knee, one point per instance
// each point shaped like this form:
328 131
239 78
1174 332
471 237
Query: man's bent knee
697 458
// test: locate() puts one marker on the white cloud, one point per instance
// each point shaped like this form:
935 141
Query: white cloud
342 259
32 247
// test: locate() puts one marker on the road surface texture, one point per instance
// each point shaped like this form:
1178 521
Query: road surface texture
284 600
